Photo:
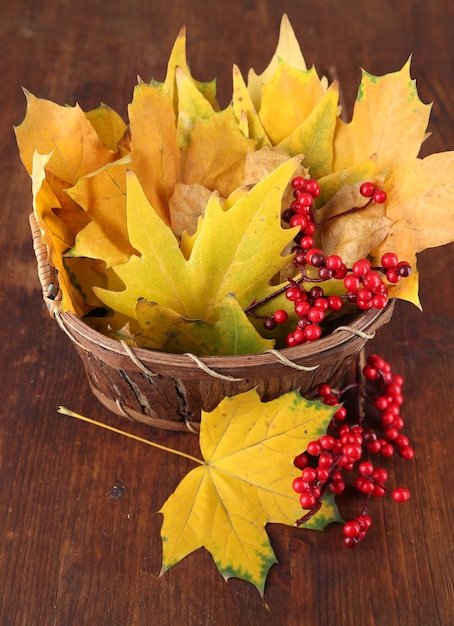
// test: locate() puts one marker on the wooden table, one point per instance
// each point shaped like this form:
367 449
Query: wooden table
70 553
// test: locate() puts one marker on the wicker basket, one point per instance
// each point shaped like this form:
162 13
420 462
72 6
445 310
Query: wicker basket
169 390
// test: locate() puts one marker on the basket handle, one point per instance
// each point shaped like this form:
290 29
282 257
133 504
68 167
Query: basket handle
47 274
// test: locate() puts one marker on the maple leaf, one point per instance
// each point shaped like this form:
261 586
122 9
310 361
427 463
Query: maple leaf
102 194
163 329
244 483
389 120
288 49
419 209
248 235
288 99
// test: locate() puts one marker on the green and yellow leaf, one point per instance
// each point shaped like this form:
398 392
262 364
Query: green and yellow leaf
244 483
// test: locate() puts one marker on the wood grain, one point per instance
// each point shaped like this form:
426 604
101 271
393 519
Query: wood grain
70 552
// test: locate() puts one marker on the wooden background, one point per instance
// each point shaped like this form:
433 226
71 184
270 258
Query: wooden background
70 554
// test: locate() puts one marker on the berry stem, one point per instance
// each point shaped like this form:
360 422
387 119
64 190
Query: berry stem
350 211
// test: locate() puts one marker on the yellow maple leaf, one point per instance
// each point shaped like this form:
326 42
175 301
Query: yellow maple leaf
244 110
389 122
154 149
419 209
249 235
66 134
288 98
288 49
244 483
166 330
102 195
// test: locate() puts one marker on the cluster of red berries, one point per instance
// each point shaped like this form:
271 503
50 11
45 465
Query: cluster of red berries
363 285
301 210
348 447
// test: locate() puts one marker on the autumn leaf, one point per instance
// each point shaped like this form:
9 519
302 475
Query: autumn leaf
154 149
178 59
216 153
244 483
288 49
166 330
389 122
66 134
419 209
102 194
244 110
108 125
314 136
351 236
288 99
236 252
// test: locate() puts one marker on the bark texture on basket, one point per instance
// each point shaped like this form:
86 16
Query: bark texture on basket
170 390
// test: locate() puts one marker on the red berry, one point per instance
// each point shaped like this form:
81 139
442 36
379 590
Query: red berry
379 196
404 269
376 361
314 448
340 414
401 494
381 403
315 315
388 260
337 486
364 521
293 294
378 491
298 220
379 302
370 373
367 190
352 529
335 303
327 442
333 262
307 500
371 280
364 485
380 475
307 242
301 460
309 474
407 452
322 474
341 272
361 267
299 485
313 187
386 450
352 283
315 257
324 390
366 468
321 303
304 199
312 332
302 307
298 181
393 276
280 316
350 542
365 295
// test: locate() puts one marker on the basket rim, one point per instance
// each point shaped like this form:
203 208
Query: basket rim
358 329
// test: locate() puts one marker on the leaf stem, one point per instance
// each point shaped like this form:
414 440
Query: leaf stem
64 411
